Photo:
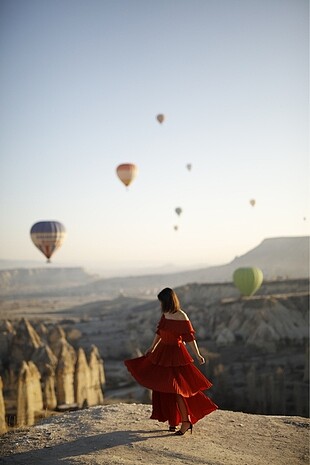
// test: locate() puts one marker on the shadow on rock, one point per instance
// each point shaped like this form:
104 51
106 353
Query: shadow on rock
60 454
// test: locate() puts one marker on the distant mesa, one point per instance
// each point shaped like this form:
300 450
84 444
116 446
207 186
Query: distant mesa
278 258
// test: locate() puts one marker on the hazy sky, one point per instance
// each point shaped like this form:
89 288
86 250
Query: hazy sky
81 84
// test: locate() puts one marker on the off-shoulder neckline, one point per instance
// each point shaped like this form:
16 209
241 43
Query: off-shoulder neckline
172 319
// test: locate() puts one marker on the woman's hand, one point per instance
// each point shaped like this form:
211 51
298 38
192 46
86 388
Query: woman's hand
200 359
156 340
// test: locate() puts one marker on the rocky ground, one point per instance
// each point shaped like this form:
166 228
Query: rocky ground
123 434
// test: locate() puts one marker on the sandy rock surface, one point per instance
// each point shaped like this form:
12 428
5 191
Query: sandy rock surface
123 434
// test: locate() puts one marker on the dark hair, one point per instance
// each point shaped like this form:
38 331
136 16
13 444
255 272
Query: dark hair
169 300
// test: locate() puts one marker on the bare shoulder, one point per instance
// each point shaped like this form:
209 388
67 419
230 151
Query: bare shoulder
182 315
177 316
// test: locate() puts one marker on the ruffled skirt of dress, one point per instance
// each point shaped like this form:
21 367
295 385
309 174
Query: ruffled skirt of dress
168 373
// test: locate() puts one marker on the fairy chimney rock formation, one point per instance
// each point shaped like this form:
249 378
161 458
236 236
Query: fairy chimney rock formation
42 331
24 342
82 380
65 375
45 372
97 377
25 397
36 387
29 394
3 427
6 335
42 357
49 394
56 337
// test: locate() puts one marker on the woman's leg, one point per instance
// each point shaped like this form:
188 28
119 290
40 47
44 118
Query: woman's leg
182 407
186 422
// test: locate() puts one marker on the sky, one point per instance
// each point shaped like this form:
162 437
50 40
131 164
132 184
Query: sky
81 83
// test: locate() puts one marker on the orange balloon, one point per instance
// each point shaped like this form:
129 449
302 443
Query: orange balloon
127 173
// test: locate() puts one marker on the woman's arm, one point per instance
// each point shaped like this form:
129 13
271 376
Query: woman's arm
156 340
193 345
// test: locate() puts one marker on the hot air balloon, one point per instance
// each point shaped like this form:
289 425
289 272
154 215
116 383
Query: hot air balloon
48 236
127 173
248 280
178 211
175 227
160 118
253 202
189 166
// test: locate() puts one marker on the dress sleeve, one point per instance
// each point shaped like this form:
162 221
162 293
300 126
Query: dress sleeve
189 333
160 324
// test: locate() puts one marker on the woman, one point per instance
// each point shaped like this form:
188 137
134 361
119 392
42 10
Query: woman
167 368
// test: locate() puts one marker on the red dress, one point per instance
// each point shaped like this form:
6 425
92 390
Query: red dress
169 370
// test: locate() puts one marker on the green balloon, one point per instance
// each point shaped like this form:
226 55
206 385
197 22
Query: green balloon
248 280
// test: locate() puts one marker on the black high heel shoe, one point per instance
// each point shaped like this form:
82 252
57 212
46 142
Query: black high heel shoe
172 428
180 433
